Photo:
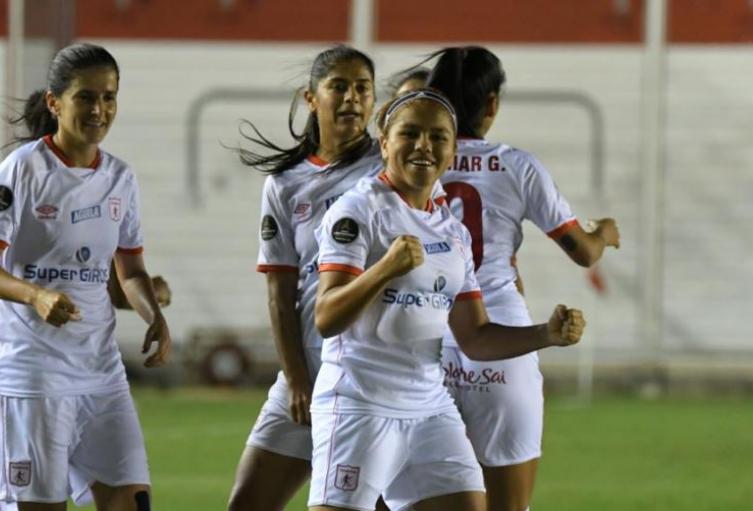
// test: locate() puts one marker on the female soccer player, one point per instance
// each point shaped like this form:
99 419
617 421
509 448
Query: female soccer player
498 187
333 153
395 269
67 209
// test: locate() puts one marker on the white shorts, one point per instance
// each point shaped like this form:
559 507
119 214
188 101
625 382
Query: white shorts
359 457
53 448
501 402
276 431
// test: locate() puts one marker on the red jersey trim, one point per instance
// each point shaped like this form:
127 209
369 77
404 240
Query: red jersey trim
562 229
131 251
469 295
340 267
317 161
383 177
3 245
61 155
272 268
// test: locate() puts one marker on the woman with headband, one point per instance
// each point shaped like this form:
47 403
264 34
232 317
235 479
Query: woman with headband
395 270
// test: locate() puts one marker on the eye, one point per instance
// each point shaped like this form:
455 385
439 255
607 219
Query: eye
363 88
340 86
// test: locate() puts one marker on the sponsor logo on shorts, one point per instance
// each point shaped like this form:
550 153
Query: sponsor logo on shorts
437 248
345 230
19 473
6 198
457 377
113 206
46 212
83 254
83 214
346 477
268 228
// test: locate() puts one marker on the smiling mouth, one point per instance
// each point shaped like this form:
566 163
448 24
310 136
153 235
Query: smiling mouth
423 163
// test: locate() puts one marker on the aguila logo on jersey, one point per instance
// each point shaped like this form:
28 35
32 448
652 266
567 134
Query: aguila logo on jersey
83 214
437 248
83 254
268 228
114 208
46 212
19 473
345 230
6 198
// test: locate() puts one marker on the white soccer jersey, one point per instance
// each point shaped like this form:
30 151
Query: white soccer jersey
293 205
388 362
492 188
60 226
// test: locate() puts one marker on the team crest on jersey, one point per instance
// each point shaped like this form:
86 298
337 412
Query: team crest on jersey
440 283
83 214
268 228
6 198
46 212
83 254
113 206
346 477
345 230
19 473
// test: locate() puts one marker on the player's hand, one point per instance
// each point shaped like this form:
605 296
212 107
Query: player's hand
162 291
405 253
566 326
159 333
299 401
607 229
54 307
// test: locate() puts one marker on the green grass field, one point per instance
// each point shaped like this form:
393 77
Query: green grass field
618 454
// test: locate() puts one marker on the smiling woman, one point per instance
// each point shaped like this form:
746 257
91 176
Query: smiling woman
67 211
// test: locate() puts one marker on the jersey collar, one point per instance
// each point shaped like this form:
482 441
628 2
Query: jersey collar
429 208
62 157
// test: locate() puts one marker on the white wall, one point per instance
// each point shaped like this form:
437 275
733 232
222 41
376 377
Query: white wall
208 253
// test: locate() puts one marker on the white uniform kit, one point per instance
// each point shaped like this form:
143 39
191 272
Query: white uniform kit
293 205
492 188
383 423
64 399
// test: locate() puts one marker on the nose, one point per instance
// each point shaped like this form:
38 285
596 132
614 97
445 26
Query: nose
351 94
423 142
97 106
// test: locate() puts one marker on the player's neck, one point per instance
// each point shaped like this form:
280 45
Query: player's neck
332 150
78 155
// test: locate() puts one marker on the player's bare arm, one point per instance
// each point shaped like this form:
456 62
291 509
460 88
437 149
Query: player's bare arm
482 340
282 290
52 306
585 247
137 286
117 296
342 297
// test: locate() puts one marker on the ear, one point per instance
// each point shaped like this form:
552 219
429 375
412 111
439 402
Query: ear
310 99
492 105
383 146
52 104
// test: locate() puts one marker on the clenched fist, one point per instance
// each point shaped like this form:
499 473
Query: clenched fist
54 307
405 253
607 229
565 326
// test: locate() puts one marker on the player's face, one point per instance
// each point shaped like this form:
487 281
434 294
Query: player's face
419 145
343 101
87 108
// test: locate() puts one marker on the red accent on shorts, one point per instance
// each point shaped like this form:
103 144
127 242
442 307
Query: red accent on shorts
562 229
340 267
61 155
383 177
469 295
131 251
317 161
271 268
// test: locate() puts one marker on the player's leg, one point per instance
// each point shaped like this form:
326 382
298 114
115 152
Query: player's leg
266 480
134 497
464 501
510 488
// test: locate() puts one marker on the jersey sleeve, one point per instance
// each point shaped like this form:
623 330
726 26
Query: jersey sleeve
470 289
344 238
276 235
130 239
11 203
545 205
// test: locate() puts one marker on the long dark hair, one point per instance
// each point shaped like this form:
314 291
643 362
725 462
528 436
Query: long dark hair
308 140
467 75
35 116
